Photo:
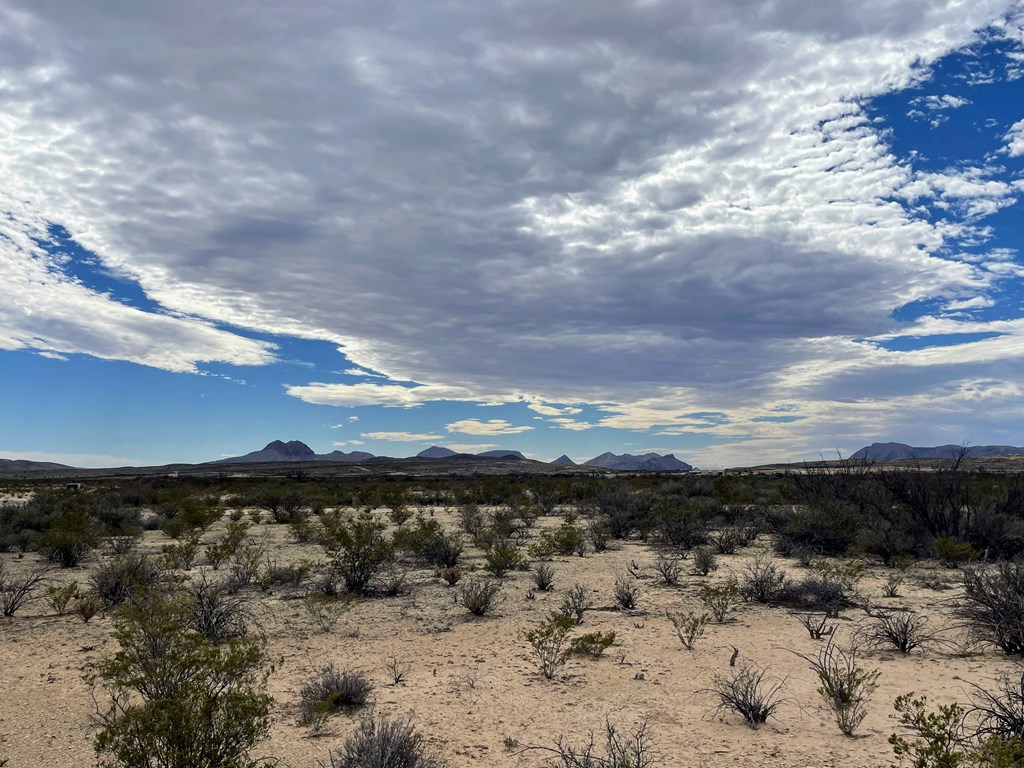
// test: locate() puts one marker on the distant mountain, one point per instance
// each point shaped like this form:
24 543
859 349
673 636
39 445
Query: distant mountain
24 465
564 461
649 462
500 454
276 451
351 457
901 451
436 452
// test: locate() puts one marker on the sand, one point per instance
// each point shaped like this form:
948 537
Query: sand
474 687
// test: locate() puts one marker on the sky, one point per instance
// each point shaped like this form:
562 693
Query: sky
739 231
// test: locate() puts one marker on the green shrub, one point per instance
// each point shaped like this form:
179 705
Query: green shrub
502 557
182 554
124 577
548 643
689 627
704 561
567 539
59 596
176 699
592 644
359 550
69 541
953 553
846 687
575 603
720 599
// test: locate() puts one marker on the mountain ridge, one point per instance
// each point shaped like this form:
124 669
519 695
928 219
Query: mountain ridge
902 451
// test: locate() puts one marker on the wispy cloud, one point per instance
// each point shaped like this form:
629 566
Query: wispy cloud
401 437
492 427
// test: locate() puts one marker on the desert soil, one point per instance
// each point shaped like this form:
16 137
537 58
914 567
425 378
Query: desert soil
473 683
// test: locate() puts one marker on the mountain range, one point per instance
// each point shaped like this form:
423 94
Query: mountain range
8 466
295 450
901 451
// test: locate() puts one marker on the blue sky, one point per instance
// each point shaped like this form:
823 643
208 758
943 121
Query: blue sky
737 233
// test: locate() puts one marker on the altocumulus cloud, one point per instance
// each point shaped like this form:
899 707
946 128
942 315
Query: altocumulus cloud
492 427
662 208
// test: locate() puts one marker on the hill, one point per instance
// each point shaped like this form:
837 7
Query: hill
902 452
649 462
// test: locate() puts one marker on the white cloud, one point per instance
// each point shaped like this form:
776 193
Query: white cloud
936 102
1014 139
470 447
492 427
551 410
401 437
348 442
376 394
361 372
576 426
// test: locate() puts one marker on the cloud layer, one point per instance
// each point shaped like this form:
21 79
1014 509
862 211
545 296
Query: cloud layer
658 208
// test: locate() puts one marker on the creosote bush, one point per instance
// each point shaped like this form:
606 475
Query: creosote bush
502 557
176 700
478 595
124 577
548 641
689 627
720 599
846 687
575 603
946 738
592 644
704 561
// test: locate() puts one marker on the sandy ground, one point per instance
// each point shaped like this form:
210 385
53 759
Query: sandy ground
474 683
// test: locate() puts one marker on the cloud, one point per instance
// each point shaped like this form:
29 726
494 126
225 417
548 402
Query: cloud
945 101
492 427
348 442
376 394
1015 139
550 410
470 447
654 209
401 437
50 313
361 372
576 426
